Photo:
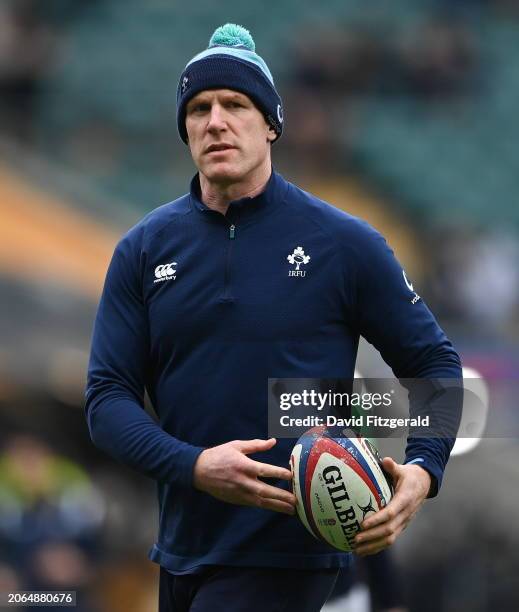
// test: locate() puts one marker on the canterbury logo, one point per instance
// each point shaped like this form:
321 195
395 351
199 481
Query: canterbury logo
165 272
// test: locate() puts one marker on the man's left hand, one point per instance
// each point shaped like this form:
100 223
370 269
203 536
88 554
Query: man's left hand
379 531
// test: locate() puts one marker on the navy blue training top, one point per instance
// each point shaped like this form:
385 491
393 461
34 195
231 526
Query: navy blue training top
199 309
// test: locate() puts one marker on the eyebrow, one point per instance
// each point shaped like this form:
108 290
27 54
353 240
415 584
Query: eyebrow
207 99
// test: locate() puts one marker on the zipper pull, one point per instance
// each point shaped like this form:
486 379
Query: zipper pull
232 230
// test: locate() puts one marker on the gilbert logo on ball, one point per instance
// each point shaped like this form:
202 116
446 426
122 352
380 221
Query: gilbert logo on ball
338 481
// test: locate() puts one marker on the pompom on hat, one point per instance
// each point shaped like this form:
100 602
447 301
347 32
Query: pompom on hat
230 62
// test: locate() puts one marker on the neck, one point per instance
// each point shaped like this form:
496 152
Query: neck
217 195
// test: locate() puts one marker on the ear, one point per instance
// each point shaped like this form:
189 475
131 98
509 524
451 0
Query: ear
271 134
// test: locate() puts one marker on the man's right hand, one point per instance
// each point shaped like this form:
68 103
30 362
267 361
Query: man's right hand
225 472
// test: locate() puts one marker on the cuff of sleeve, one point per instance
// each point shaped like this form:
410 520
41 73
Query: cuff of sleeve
186 459
434 471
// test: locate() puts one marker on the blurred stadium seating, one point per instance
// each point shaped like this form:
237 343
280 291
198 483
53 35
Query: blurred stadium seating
114 85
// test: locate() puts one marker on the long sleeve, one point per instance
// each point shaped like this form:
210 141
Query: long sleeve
396 321
119 358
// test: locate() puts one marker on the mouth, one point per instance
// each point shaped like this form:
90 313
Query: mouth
219 148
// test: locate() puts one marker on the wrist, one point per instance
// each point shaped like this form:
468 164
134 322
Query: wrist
429 481
429 469
198 470
425 479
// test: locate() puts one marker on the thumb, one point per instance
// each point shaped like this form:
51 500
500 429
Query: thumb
255 446
391 466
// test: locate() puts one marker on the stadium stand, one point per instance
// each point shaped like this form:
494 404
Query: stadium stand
115 87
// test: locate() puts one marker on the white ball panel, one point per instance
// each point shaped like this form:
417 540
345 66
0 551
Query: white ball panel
298 491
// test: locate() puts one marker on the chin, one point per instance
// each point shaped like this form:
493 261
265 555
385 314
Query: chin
224 172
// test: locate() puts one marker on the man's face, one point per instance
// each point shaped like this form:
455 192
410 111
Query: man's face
228 136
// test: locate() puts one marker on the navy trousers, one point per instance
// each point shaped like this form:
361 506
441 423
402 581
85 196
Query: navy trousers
246 589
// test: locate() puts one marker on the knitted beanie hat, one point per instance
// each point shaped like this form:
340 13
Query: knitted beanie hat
230 62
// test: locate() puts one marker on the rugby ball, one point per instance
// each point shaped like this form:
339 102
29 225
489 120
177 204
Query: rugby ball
338 481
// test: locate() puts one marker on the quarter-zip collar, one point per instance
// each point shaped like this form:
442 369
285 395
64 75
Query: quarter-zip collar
246 208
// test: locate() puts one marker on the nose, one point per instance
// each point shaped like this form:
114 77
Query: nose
216 119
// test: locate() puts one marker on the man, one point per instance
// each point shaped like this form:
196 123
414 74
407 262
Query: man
203 301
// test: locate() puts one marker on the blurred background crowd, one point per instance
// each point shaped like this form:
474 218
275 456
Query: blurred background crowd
403 113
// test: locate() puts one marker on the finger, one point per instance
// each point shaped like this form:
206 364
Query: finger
277 505
269 492
374 546
266 470
254 446
382 531
250 499
399 504
389 513
391 466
